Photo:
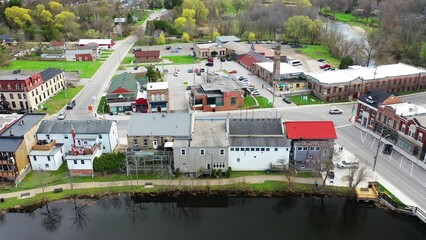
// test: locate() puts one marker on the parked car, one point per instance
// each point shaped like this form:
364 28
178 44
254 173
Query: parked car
268 42
176 74
335 111
71 104
179 46
295 62
191 48
16 71
209 64
241 77
287 100
168 48
22 111
136 68
202 70
210 59
199 73
228 58
297 45
321 60
233 71
331 175
325 66
222 59
347 164
61 116
388 149
188 87
190 70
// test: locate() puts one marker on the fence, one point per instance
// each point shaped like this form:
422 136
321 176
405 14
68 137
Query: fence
410 210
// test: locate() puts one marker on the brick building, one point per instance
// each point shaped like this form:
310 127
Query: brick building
147 56
158 96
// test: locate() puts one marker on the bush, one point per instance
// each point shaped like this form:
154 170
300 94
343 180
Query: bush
214 173
177 172
109 162
220 173
228 172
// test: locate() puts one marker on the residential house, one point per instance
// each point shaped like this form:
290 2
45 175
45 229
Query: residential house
94 47
28 89
6 40
226 39
87 132
220 95
103 44
158 96
126 93
57 45
206 50
16 141
79 55
155 131
257 144
291 79
80 157
312 142
147 56
47 155
351 83
206 150
368 104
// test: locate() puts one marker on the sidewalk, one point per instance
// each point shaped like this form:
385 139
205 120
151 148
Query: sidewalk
162 182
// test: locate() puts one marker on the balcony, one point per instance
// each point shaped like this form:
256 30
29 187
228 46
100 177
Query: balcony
83 150
44 145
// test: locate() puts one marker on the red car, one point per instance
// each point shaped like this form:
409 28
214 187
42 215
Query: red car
325 66
232 71
210 60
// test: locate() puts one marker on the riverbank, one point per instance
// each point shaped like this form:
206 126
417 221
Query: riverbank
252 186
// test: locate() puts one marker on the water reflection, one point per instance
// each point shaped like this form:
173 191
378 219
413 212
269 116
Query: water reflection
51 217
79 217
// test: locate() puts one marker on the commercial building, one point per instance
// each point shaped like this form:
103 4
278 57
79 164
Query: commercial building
147 56
158 96
206 50
102 43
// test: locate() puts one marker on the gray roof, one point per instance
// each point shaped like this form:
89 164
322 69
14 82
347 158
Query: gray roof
49 73
209 133
9 144
160 124
225 39
255 127
258 142
80 126
237 47
78 51
421 120
24 124
50 152
374 97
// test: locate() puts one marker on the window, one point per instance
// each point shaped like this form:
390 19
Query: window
305 148
135 141
276 149
237 149
11 95
325 151
48 158
100 136
82 161
202 152
48 136
75 162
238 159
46 165
257 149
403 128
232 149
317 148
420 137
299 148
183 151
262 149
19 96
145 142
267 149
66 136
35 158
13 104
234 101
247 149
252 149
103 147
221 151
312 148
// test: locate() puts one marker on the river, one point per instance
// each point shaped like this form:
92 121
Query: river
126 217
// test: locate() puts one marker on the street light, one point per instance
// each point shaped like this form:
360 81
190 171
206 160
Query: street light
378 147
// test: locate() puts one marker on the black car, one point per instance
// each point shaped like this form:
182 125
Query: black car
5 111
71 104
287 100
321 60
136 67
388 149
168 48
209 64
16 71
202 70
222 59
330 175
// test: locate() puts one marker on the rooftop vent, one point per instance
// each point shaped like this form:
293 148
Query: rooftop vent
11 132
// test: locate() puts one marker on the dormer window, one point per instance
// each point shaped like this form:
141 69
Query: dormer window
8 86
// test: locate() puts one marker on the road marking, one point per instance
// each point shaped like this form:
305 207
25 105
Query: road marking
347 125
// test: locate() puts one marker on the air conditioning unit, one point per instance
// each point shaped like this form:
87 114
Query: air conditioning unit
12 160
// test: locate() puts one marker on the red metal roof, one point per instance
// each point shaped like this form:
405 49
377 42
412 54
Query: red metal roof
310 130
153 53
57 44
248 60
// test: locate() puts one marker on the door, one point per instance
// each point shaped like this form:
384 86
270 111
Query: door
159 109
154 144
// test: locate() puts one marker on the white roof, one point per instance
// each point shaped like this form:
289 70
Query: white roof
408 109
366 73
98 41
206 45
157 85
285 68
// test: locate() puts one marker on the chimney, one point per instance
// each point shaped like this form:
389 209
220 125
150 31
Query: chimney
277 56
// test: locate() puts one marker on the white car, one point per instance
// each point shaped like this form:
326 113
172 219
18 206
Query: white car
61 116
335 111
176 74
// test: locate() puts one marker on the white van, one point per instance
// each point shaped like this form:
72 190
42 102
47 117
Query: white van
295 62
347 164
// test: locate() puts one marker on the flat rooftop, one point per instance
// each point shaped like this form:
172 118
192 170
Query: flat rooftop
207 45
24 74
406 109
157 85
209 133
285 68
24 124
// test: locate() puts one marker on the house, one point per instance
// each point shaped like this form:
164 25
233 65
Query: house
226 39
257 144
158 96
351 83
248 60
94 47
126 93
206 50
6 40
28 90
312 142
102 132
220 95
368 104
291 79
80 156
16 142
104 44
168 128
79 55
147 56
47 155
236 49
57 45
206 150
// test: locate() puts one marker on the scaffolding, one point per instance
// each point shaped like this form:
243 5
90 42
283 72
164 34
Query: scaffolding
158 162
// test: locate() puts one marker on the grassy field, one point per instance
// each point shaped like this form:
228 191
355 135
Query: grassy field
57 102
102 107
249 101
180 59
308 175
320 51
264 102
127 60
299 101
87 69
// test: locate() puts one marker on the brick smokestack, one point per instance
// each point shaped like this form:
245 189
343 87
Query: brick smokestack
277 56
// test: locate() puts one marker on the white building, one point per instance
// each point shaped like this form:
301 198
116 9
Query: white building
102 132
80 159
46 156
257 144
103 43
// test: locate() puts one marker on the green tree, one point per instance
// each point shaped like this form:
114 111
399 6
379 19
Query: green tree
228 172
185 37
215 35
346 62
162 39
152 74
252 37
189 14
55 7
314 31
201 12
109 162
92 33
297 28
18 17
67 23
180 23
170 4
303 3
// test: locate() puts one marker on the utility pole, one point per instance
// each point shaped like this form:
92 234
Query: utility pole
378 147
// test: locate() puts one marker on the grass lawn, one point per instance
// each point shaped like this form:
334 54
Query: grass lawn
143 18
264 102
235 174
57 102
127 60
180 59
249 101
298 100
87 69
422 52
320 51
384 190
102 107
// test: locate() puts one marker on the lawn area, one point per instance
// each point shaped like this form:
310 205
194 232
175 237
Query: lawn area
235 174
127 60
102 107
86 68
264 102
57 102
299 101
180 59
320 51
387 192
422 52
307 175
143 18
249 101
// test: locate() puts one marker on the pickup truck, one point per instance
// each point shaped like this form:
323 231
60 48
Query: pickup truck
347 164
